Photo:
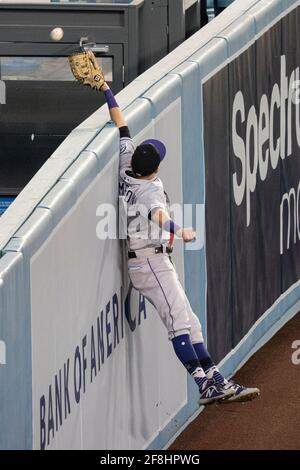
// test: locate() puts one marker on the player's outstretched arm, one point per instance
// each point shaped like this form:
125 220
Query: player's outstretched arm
87 71
114 109
162 218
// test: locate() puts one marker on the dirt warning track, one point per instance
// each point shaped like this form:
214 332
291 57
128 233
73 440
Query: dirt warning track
272 421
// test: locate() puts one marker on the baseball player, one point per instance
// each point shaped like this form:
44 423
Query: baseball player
150 267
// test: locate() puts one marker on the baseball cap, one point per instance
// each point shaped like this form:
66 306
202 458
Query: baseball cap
147 157
158 145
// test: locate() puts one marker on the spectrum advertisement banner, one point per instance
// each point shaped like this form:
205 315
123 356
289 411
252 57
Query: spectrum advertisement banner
252 149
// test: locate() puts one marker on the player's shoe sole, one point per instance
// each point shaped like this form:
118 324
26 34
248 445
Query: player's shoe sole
248 394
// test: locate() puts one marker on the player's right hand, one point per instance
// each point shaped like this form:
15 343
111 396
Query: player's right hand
187 234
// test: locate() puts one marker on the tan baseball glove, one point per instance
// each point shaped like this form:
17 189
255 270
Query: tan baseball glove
86 69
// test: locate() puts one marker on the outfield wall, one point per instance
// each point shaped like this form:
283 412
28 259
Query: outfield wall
84 360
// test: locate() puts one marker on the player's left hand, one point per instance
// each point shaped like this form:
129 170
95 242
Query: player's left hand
86 70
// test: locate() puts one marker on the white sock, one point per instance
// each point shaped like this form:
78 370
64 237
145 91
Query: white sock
214 373
199 376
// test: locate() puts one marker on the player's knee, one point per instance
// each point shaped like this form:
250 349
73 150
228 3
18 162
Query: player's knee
196 330
173 334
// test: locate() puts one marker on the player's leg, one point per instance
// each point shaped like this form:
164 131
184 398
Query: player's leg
154 278
212 372
157 280
203 355
197 340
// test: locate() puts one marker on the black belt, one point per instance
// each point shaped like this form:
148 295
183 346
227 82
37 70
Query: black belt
157 250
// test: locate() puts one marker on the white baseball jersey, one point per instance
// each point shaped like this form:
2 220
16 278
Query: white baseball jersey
139 198
154 275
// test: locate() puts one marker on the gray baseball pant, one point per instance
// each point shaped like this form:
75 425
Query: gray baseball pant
155 277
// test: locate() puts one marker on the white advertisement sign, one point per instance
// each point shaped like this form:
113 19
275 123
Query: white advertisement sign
104 373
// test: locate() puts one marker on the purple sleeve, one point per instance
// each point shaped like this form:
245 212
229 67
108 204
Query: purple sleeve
110 99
